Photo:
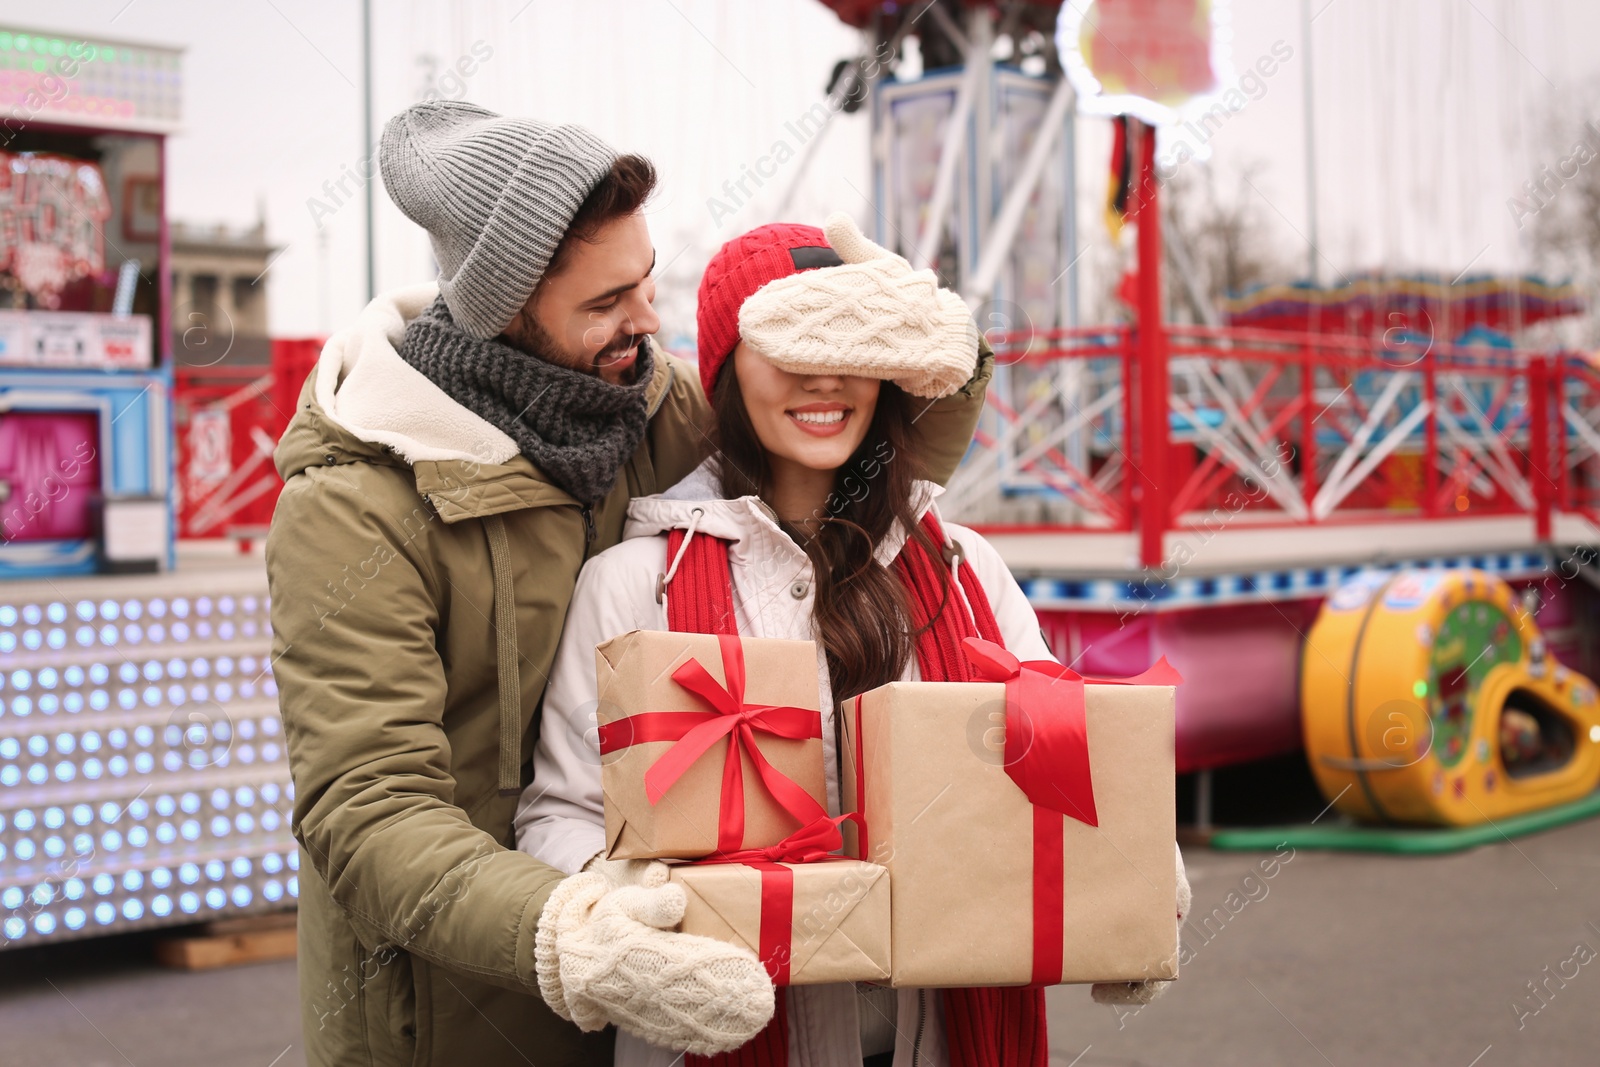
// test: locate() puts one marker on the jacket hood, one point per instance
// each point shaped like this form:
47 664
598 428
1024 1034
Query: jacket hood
747 521
364 403
367 389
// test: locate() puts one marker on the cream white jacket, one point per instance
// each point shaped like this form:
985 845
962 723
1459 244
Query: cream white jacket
561 819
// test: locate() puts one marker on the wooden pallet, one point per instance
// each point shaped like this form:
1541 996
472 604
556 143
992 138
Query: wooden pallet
230 942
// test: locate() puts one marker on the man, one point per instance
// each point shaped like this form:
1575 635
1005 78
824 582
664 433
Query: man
455 458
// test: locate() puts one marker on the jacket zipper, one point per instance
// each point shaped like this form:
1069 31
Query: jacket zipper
922 1019
588 524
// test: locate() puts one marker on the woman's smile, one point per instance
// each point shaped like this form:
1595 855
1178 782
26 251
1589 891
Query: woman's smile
814 421
821 419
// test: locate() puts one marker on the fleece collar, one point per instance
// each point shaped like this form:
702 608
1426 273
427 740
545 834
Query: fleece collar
366 389
365 404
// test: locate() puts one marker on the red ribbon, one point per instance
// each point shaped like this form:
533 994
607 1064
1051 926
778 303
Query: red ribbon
1047 756
696 731
812 843
863 844
1047 739
816 840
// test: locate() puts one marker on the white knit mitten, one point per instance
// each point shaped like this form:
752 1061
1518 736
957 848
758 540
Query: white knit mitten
1140 993
872 317
629 872
608 953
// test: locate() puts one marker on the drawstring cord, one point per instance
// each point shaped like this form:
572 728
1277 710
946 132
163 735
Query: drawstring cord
664 580
952 555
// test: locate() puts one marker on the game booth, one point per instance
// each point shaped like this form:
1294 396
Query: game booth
142 775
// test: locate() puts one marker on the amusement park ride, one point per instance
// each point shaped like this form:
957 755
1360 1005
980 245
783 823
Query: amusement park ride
1346 515
1199 492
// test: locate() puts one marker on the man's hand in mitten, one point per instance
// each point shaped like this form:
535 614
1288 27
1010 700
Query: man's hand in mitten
1141 993
606 952
871 317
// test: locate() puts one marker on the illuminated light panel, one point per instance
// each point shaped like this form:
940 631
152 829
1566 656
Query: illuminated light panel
143 779
90 81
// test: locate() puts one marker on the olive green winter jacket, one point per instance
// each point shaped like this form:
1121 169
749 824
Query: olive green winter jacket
420 571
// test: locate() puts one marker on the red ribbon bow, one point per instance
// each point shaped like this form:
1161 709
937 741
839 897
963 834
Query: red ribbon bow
696 731
1047 739
1047 756
812 843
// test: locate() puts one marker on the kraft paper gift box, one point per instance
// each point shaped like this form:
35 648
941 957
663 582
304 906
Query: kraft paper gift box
811 918
708 743
988 888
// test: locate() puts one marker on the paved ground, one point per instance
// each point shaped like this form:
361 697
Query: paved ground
1336 959
104 1004
1360 959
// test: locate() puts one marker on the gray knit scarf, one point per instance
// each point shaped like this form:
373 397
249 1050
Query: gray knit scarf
577 428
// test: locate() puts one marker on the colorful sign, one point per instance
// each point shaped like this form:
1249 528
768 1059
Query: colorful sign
83 81
1152 59
1410 590
75 340
1357 590
53 211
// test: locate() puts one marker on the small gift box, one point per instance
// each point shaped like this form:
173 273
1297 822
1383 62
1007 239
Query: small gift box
1027 823
809 916
707 743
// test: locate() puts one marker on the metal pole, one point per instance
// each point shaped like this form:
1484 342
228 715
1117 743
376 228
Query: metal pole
1539 451
1311 143
366 137
980 33
1151 350
1069 140
1202 801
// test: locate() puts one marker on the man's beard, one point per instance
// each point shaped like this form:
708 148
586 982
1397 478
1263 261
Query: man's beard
536 341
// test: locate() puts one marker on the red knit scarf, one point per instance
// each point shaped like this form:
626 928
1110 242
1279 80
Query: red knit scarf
990 1027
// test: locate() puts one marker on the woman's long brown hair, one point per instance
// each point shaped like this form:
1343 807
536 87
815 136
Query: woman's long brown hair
862 614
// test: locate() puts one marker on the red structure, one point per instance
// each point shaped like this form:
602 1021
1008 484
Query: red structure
1197 492
227 421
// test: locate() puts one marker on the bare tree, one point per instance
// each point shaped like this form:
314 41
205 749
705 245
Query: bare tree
1557 210
1221 235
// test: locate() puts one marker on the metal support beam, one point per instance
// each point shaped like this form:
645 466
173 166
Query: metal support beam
950 154
997 248
367 143
951 30
1202 801
1178 248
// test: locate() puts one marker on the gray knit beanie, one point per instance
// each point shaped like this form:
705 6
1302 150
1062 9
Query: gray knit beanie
496 196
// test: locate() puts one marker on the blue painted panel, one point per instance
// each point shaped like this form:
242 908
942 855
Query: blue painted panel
135 446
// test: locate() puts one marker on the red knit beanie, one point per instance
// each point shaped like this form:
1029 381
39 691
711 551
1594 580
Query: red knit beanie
741 267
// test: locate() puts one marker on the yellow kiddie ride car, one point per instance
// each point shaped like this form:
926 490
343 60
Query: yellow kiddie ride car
1429 697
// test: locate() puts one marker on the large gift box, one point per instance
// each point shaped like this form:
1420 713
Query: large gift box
1027 823
707 743
809 917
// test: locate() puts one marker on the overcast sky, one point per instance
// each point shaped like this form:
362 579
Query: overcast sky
1429 115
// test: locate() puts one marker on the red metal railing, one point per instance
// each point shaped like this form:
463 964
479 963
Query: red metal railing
1279 430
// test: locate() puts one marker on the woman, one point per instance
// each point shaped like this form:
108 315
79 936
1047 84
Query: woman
817 361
